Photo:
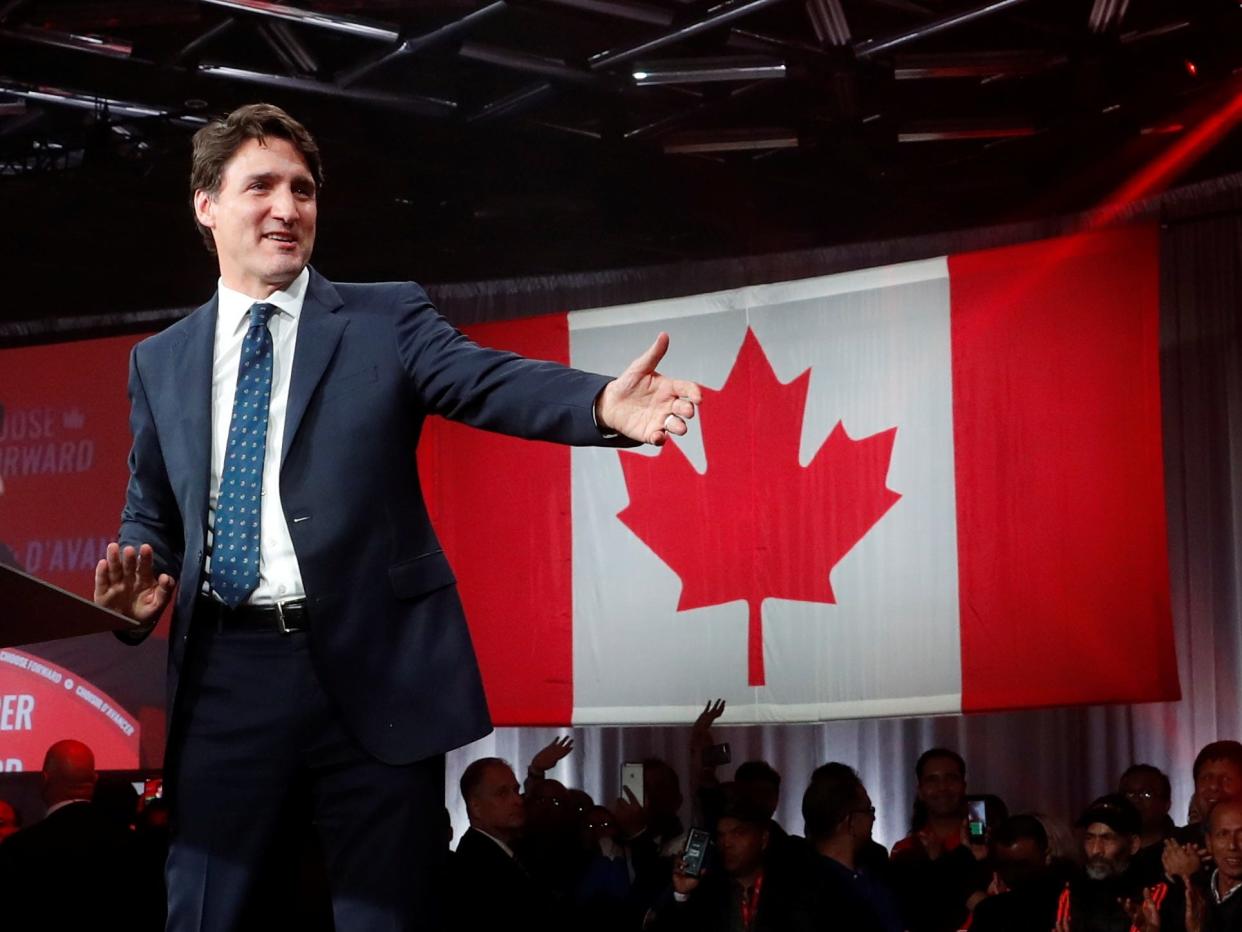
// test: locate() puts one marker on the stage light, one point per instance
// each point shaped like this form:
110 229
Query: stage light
1191 68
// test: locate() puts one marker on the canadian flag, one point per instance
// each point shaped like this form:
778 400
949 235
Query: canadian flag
925 488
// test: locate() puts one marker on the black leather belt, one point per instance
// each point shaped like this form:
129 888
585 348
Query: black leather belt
286 617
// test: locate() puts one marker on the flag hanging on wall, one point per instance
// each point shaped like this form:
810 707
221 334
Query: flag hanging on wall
925 488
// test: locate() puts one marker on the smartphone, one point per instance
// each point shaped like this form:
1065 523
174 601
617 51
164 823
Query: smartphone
976 820
696 850
716 755
632 780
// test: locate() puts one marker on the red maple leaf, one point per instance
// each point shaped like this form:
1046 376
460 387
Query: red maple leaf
757 525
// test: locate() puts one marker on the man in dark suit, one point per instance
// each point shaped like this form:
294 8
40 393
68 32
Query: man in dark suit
491 887
70 870
317 638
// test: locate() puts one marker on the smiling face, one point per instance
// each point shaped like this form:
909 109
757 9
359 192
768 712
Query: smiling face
1224 840
263 217
942 787
1217 780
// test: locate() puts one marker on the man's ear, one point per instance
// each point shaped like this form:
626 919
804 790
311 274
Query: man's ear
1136 842
204 208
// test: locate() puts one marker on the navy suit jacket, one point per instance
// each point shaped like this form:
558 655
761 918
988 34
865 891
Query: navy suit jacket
387 634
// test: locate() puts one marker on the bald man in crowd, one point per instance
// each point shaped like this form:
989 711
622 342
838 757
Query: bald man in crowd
70 869
1206 900
492 887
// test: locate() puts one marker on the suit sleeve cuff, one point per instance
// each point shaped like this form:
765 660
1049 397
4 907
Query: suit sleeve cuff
604 434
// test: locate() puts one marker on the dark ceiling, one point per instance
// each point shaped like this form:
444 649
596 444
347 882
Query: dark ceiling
471 140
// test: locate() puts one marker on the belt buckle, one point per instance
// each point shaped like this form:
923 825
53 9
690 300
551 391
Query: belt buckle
280 618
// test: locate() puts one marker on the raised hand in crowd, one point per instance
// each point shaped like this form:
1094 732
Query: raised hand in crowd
702 727
548 757
701 732
630 814
703 772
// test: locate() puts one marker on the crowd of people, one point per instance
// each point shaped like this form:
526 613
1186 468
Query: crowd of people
540 855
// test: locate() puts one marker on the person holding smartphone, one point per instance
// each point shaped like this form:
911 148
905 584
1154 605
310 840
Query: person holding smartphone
741 891
935 868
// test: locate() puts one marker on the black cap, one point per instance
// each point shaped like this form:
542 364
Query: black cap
1115 811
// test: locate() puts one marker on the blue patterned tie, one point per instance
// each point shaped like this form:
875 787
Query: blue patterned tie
235 541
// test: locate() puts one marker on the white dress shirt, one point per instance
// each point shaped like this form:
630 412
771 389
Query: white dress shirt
279 575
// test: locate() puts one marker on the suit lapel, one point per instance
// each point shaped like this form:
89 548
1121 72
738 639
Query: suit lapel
319 331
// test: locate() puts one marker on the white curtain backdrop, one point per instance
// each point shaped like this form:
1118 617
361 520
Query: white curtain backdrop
1055 760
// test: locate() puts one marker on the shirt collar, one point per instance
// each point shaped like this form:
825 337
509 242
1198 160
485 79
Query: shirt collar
1216 890
503 847
56 807
234 307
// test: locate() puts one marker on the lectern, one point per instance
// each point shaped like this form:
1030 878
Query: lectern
32 610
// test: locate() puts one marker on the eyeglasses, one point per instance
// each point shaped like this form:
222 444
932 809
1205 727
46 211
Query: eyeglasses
1140 794
869 811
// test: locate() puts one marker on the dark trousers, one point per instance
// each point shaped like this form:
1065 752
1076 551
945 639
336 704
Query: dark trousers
259 748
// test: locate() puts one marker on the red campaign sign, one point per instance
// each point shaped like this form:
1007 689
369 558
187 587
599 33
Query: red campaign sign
64 441
42 703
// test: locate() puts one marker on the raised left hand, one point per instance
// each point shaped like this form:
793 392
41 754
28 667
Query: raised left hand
644 405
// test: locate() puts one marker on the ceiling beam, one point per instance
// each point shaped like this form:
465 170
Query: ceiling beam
510 104
524 61
828 20
869 48
291 51
750 139
347 25
78 42
441 35
975 64
719 15
1106 15
62 97
411 103
956 130
707 70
